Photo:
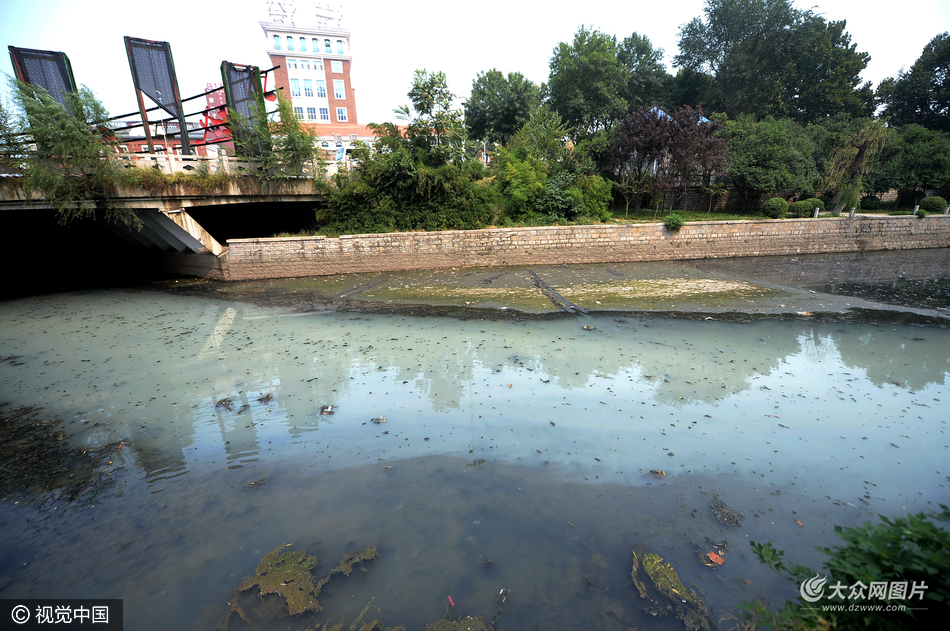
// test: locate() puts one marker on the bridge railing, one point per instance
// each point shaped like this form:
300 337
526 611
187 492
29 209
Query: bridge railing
170 163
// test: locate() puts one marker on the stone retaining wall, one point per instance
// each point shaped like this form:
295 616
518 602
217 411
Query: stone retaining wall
317 256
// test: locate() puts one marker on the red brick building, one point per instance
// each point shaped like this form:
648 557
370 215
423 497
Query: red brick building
312 49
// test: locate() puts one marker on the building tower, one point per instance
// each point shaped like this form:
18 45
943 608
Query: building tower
311 46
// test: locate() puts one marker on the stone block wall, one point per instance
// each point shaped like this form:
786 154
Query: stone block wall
248 259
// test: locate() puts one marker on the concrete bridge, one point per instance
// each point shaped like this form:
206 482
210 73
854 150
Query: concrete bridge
163 210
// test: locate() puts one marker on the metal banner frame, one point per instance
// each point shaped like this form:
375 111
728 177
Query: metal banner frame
153 74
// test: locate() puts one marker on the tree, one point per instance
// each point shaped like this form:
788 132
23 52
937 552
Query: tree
435 121
637 152
919 162
821 77
499 106
543 136
851 162
12 147
768 58
742 44
647 78
281 147
586 82
71 161
768 156
921 95
296 144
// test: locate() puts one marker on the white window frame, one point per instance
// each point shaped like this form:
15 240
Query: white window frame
308 88
325 114
336 66
291 64
344 118
311 113
298 112
339 90
295 87
321 89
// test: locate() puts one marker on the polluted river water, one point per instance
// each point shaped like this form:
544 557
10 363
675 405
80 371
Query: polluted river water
502 465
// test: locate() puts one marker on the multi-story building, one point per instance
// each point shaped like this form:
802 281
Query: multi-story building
312 49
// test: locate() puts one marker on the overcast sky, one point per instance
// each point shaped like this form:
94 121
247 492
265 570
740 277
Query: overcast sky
391 39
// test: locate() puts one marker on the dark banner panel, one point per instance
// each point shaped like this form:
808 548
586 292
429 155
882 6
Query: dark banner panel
242 89
44 68
153 74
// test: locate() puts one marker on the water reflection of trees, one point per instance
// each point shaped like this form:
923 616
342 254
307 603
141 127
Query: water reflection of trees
328 361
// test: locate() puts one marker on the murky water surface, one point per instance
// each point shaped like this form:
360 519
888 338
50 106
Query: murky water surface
527 443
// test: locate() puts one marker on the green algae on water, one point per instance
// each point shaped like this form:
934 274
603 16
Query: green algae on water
689 607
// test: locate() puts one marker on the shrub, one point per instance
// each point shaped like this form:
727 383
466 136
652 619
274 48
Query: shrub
673 222
801 209
775 208
817 202
913 550
870 202
933 204
922 213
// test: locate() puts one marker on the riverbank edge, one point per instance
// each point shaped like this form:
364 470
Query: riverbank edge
287 257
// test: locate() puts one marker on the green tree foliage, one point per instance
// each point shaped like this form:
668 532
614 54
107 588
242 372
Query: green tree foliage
540 179
914 549
742 44
768 156
433 120
918 160
397 190
851 161
543 136
499 106
281 146
12 146
416 178
587 81
647 78
922 94
767 58
295 144
71 161
821 76
691 87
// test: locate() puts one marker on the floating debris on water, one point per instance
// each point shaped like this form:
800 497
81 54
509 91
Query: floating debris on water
283 585
267 398
326 409
225 403
724 513
256 484
658 473
378 419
